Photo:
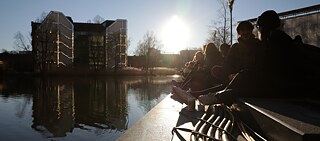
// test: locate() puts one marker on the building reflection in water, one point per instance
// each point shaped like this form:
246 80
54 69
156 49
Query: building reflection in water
62 104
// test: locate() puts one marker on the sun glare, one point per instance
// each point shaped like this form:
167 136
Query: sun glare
175 35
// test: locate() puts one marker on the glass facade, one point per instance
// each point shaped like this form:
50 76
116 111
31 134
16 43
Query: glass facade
53 42
58 42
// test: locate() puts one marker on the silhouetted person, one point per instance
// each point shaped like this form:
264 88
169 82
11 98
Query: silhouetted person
289 65
212 55
271 76
224 49
242 55
200 77
193 72
298 39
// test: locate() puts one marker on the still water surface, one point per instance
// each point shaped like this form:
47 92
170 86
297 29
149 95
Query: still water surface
81 108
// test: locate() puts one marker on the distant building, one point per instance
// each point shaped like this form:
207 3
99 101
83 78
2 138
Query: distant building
16 63
58 42
162 60
304 22
90 45
117 42
52 42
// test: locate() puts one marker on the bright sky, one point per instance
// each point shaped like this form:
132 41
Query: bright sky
190 17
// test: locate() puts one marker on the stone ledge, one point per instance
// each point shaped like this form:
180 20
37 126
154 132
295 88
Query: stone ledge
283 119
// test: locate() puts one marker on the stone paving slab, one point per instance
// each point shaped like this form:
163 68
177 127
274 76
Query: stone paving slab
157 124
286 119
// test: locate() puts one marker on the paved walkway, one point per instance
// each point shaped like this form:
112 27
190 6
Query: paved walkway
292 119
157 124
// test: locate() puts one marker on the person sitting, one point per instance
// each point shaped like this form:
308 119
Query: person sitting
289 64
195 64
199 80
242 56
191 72
224 50
212 56
282 71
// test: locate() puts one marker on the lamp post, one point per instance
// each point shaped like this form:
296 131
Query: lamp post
230 4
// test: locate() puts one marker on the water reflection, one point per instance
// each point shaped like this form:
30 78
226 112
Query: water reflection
105 107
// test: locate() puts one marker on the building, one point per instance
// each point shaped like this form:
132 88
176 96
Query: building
11 63
162 60
304 22
58 42
52 42
90 46
117 43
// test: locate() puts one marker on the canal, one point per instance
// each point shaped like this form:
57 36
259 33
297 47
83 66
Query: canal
76 108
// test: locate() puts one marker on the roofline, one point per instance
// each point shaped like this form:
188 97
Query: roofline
296 12
56 12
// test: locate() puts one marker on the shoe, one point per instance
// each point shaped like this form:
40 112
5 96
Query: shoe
209 99
177 98
184 95
175 83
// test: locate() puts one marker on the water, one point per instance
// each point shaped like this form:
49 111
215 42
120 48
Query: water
81 108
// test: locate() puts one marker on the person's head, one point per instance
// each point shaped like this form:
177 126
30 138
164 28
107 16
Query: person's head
266 22
298 39
244 29
211 49
224 49
199 56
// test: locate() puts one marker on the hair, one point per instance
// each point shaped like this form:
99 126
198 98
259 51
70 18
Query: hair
224 49
244 25
269 20
196 55
210 48
212 55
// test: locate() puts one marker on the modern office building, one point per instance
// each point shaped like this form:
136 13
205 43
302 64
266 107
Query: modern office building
90 46
116 34
58 42
52 42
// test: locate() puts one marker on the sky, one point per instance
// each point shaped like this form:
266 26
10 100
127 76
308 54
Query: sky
164 18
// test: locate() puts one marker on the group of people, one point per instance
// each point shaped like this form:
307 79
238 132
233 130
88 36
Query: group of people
275 65
196 73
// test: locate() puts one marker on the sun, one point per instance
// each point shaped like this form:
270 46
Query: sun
175 35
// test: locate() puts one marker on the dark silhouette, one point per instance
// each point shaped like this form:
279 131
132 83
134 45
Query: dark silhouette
298 39
284 70
241 55
194 72
224 50
202 78
212 55
197 72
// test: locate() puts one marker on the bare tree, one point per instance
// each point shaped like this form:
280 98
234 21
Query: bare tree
219 32
96 51
21 42
41 17
98 19
43 45
149 42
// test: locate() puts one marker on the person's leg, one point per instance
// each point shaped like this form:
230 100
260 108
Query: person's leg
237 86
